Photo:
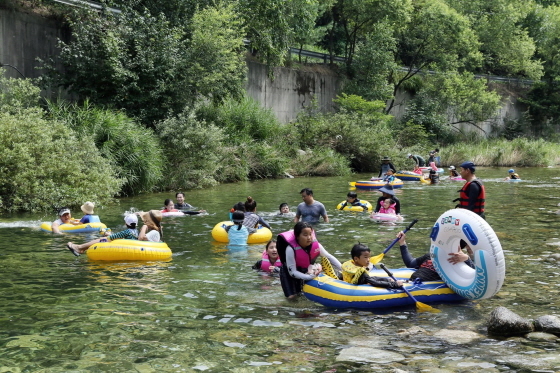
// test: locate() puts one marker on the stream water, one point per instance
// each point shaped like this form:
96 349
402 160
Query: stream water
206 310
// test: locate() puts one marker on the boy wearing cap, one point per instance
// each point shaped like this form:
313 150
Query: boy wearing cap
131 233
453 172
472 195
512 175
64 217
388 192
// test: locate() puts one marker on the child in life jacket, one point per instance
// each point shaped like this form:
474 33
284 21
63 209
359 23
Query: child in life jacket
512 175
237 233
433 177
389 176
388 207
270 261
355 271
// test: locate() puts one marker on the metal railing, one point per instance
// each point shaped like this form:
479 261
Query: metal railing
88 4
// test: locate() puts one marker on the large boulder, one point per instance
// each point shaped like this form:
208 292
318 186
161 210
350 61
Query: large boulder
505 322
548 324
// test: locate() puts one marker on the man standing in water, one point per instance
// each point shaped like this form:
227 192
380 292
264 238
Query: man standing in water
310 210
472 195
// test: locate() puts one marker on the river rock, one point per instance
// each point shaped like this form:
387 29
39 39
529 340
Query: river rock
369 355
532 363
505 322
457 336
542 337
548 324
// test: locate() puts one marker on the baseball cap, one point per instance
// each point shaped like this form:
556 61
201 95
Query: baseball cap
63 211
131 219
511 170
451 167
467 164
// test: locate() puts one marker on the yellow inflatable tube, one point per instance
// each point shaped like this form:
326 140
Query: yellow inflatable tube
70 228
262 235
129 250
354 208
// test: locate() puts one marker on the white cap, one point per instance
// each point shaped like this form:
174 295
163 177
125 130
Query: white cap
131 219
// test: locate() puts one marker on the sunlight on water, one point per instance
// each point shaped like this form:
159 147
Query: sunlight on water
206 310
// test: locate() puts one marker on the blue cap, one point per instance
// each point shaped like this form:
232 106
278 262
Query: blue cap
467 164
511 170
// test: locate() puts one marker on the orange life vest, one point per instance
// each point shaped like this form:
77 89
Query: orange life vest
464 197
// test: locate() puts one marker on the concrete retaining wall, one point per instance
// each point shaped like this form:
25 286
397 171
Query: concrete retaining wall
26 37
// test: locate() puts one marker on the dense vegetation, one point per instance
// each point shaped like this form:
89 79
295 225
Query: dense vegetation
161 102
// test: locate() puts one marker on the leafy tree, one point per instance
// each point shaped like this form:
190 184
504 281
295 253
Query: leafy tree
131 149
273 26
145 65
505 44
462 97
373 64
436 38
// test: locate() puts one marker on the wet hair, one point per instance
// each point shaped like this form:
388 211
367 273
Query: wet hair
352 195
177 194
239 206
282 205
167 202
433 172
300 226
268 244
358 249
250 204
239 216
131 225
307 191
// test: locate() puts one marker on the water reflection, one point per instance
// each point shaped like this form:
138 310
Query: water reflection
206 310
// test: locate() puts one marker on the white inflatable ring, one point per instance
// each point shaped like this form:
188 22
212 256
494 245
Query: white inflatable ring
486 279
379 216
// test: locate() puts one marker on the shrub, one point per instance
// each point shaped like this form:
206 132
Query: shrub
242 121
319 162
194 151
45 165
133 150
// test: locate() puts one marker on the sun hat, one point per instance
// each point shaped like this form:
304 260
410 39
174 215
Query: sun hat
238 217
511 170
451 167
63 211
131 219
387 188
152 216
386 158
87 208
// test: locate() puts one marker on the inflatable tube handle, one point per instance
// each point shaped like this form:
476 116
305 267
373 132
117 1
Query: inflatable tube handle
470 234
435 231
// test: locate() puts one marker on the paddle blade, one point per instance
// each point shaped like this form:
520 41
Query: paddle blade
352 183
376 259
423 307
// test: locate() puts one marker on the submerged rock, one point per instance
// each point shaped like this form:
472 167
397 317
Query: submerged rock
505 322
457 336
542 337
548 324
369 355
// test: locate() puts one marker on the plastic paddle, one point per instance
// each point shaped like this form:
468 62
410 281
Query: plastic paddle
352 183
376 259
420 307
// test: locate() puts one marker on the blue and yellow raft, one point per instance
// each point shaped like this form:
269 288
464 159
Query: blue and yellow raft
333 293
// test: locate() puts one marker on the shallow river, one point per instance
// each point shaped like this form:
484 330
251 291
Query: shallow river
206 310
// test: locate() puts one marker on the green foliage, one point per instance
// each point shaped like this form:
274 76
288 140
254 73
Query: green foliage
17 94
242 121
215 61
502 152
145 65
45 164
373 64
360 136
194 151
320 161
505 44
412 135
131 149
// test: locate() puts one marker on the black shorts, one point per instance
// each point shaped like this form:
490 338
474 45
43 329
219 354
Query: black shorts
290 286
